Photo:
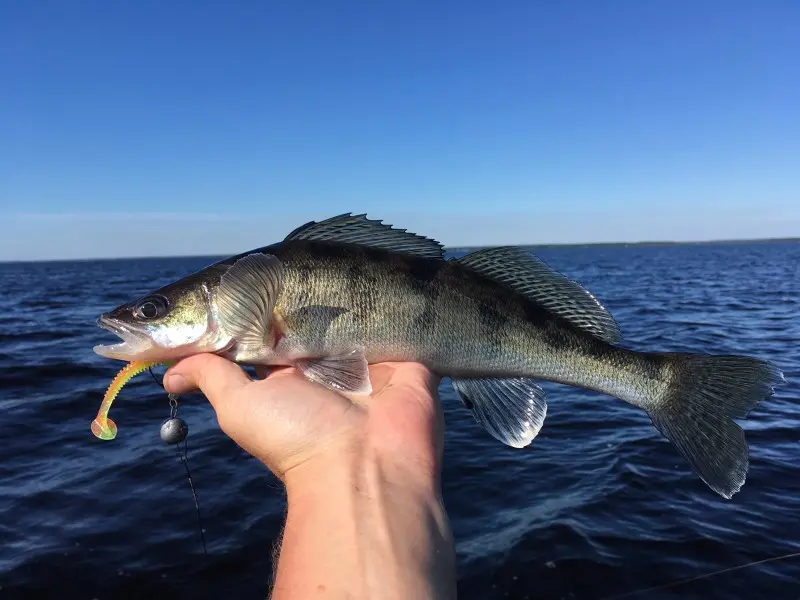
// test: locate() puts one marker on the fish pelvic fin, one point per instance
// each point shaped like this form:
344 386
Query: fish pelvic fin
347 373
512 410
697 410
533 278
246 298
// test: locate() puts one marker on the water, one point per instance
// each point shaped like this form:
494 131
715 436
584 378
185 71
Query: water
599 505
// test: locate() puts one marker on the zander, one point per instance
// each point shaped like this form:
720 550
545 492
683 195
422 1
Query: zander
339 294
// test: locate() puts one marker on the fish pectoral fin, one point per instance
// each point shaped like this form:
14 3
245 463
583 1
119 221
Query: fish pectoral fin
347 373
512 410
246 297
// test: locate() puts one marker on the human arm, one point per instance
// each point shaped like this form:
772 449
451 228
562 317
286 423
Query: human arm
362 528
365 516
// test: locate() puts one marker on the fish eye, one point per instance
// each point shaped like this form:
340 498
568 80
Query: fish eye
151 307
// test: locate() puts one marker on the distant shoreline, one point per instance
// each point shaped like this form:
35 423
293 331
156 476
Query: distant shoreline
450 249
656 243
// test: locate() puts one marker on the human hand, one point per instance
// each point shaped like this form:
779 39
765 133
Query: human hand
293 425
366 517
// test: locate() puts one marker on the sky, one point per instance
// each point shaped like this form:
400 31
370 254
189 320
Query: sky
174 128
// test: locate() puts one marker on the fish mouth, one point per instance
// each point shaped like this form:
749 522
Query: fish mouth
133 343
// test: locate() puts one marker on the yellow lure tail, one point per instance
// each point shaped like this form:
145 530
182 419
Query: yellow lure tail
103 427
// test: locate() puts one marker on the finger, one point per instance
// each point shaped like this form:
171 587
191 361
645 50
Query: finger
219 379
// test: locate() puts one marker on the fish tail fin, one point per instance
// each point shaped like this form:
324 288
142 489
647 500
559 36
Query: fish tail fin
697 409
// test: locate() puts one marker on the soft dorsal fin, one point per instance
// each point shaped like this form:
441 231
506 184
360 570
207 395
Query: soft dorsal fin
531 277
357 229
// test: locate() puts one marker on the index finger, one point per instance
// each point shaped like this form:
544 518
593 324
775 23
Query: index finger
218 378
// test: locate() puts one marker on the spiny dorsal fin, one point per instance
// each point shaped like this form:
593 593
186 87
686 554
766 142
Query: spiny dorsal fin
357 229
531 277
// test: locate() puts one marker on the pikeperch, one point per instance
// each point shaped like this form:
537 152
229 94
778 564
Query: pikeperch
337 295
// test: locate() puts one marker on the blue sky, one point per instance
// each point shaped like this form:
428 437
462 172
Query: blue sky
181 127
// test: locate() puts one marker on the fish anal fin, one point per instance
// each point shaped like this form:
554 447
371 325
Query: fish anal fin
512 410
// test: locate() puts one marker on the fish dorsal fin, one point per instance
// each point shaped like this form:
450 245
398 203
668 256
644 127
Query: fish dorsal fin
357 229
531 277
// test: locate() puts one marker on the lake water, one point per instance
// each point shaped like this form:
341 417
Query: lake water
599 505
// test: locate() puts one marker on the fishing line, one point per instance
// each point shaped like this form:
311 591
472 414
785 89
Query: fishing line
184 456
704 576
175 431
153 375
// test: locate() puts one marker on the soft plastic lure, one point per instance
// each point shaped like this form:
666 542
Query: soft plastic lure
102 426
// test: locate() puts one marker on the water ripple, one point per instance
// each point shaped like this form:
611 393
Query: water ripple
599 505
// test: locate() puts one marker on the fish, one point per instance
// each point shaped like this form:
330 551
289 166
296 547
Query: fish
339 294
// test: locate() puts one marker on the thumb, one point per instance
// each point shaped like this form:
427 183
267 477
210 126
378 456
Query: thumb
218 378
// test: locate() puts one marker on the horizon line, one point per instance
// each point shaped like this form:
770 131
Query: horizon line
765 240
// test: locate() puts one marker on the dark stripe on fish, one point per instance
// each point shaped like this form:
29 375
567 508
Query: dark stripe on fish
492 322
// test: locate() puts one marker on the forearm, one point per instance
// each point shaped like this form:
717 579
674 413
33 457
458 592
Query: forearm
361 528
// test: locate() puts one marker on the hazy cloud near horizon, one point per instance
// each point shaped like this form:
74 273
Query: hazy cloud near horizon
30 236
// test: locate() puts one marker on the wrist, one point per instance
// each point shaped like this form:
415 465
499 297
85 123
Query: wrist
381 518
365 468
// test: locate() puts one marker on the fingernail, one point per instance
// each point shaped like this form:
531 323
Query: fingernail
175 381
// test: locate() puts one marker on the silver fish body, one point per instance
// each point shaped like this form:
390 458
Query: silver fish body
340 294
454 320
